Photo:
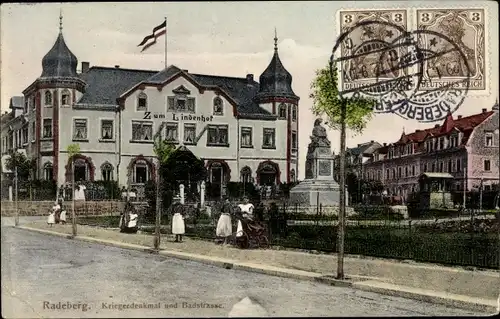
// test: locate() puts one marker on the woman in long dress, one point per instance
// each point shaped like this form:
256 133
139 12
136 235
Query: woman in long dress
62 217
51 219
178 226
247 212
224 226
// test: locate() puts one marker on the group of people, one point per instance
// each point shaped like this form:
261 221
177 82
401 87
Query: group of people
244 215
57 214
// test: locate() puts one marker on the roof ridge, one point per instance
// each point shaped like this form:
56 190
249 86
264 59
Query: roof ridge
218 76
122 69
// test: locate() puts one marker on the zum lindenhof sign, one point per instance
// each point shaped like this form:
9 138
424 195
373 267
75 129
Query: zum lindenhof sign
178 117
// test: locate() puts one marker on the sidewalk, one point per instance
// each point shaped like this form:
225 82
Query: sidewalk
475 289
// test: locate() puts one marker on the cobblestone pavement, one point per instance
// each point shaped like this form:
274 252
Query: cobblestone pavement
40 271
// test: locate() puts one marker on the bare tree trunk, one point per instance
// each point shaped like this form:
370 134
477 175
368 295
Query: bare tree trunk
158 208
341 226
73 213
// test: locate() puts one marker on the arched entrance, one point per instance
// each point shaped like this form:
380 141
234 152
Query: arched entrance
141 170
84 169
268 173
219 174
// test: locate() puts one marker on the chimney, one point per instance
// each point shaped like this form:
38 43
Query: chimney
436 126
484 110
85 67
385 144
372 141
187 71
359 145
417 130
249 78
459 117
117 66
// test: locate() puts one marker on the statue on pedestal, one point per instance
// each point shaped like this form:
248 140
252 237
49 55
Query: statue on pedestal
319 137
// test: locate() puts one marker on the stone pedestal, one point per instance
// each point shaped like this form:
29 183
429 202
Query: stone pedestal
319 185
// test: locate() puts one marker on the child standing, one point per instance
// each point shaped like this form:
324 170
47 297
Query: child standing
62 217
51 219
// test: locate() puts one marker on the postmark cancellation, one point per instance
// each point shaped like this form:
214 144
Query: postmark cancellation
466 29
367 43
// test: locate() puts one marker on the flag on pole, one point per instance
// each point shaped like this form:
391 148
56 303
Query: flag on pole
157 32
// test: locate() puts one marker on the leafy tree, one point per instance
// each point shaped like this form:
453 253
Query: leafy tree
328 102
23 164
344 112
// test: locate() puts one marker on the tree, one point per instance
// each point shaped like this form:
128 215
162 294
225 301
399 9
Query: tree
73 150
23 164
344 112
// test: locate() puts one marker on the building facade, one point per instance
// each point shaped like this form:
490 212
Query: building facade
243 130
14 133
463 148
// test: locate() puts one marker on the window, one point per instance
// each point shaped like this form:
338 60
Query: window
441 143
459 164
65 97
386 174
172 132
217 135
454 140
294 140
142 131
141 172
488 139
393 173
413 170
80 129
246 137
487 165
47 128
293 176
379 175
294 113
25 135
282 111
269 138
433 167
189 133
107 172
48 172
107 130
218 107
48 98
142 102
399 172
441 167
246 175
82 171
26 105
181 104
33 132
406 171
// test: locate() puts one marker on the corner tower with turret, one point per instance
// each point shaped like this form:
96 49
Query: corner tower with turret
277 97
59 86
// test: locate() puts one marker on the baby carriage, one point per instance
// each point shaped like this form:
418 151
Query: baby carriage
254 234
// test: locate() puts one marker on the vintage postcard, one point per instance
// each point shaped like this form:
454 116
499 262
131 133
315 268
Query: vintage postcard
462 44
250 159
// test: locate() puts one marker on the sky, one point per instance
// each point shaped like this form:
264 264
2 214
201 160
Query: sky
219 38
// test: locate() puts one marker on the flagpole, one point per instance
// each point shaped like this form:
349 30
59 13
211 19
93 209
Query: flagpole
166 34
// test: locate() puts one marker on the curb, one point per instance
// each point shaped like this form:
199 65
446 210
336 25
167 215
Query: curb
458 301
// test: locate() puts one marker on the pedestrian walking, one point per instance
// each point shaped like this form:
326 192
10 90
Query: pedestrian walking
246 210
178 226
51 219
224 226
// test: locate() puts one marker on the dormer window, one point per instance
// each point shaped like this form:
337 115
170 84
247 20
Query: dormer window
48 98
488 139
441 143
454 140
218 106
65 98
282 111
142 102
181 103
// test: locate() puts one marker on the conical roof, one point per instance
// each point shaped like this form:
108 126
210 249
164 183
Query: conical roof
59 61
275 80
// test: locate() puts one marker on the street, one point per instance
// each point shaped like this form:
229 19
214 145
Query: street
43 276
